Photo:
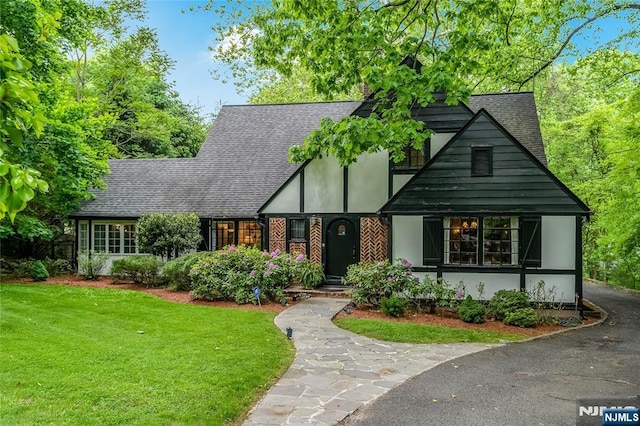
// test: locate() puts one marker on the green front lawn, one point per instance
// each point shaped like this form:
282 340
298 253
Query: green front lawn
72 355
403 332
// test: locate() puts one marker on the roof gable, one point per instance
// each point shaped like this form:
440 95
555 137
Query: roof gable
520 183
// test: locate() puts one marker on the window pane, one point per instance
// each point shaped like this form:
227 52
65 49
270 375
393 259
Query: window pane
83 240
461 240
249 233
297 229
100 238
413 158
129 239
500 240
225 234
114 238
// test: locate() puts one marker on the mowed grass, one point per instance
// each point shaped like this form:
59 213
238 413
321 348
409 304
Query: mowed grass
71 355
403 332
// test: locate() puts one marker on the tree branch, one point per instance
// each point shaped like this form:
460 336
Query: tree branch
615 8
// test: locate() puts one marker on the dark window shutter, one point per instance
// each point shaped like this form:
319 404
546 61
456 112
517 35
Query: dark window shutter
432 240
531 241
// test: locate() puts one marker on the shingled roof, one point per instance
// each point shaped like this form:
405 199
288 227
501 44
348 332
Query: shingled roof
243 160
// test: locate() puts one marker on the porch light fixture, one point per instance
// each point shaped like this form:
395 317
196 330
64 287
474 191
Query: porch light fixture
314 220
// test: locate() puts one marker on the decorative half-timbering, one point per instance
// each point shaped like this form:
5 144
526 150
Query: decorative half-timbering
315 240
277 234
373 239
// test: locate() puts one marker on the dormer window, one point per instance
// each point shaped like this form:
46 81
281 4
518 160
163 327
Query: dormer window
481 161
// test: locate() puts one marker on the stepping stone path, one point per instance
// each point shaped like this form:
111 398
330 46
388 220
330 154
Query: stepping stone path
335 372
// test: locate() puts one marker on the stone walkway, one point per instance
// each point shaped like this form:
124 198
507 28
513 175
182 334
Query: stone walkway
335 372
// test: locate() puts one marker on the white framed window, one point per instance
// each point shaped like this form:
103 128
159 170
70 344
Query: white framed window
83 237
129 238
100 238
500 240
461 240
114 238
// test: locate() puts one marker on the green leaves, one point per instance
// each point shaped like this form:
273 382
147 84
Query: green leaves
168 234
337 45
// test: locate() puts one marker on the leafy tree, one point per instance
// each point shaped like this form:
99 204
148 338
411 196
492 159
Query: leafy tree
118 98
18 114
168 235
589 120
342 44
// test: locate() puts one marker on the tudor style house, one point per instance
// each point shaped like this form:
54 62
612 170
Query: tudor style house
476 204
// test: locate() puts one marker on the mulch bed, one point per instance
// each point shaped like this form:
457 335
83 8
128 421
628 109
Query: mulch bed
165 293
443 316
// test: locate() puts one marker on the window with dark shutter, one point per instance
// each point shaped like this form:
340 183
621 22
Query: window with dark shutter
531 241
432 238
481 161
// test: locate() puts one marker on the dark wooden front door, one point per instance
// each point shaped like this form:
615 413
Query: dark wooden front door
341 247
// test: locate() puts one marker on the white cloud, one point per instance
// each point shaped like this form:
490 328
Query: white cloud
237 40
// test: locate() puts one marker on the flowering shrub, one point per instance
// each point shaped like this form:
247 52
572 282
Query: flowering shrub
233 273
374 280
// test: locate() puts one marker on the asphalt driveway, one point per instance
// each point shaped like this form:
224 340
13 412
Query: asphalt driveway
531 383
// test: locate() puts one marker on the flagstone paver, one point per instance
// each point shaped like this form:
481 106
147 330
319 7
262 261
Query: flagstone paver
335 372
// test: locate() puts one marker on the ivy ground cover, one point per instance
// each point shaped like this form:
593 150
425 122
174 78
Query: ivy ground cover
73 355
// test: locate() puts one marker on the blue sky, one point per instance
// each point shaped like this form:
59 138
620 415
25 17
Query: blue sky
186 39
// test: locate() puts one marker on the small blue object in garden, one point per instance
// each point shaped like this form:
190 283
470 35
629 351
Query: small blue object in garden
256 293
289 332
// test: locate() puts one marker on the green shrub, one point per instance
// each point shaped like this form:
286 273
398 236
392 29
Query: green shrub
308 274
523 317
176 272
430 292
507 301
233 273
58 267
19 268
471 311
141 269
91 264
393 306
38 271
168 235
371 281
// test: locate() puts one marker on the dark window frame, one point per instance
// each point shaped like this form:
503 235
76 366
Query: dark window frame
231 235
297 233
414 158
476 162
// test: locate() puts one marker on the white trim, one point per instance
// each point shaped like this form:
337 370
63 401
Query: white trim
108 225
